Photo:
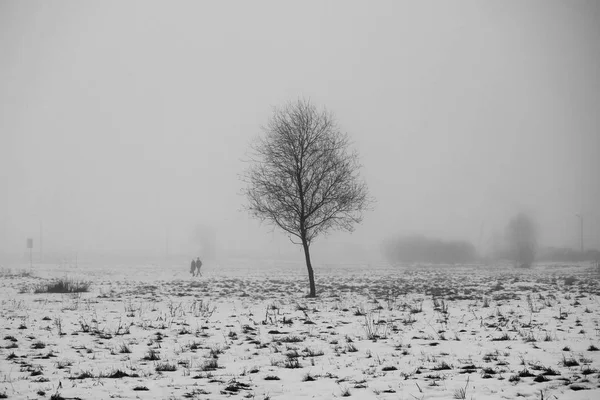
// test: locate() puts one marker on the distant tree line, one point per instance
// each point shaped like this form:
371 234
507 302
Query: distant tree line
414 249
519 245
562 254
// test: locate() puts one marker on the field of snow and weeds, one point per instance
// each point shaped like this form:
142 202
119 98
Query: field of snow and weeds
244 330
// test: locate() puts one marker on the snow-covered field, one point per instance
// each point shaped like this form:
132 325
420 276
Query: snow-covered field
244 330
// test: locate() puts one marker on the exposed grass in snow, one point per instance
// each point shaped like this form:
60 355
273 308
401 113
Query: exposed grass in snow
380 333
64 285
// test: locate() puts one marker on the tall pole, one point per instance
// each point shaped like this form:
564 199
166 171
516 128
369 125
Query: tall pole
167 243
581 235
41 247
581 230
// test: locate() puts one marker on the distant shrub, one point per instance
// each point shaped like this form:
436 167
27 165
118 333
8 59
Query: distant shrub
564 254
10 273
165 367
345 392
569 280
308 377
569 362
290 339
291 360
65 285
124 348
313 353
83 375
350 348
38 345
413 249
504 336
442 366
118 374
210 365
152 355
215 351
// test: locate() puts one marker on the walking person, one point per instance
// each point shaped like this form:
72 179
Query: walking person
198 265
193 268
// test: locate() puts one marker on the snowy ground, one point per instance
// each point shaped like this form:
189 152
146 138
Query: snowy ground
244 330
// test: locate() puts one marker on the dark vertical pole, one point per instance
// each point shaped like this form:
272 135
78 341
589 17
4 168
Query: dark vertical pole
41 247
167 243
580 216
581 220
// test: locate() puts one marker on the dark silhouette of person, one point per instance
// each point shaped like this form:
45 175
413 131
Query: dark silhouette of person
198 265
193 268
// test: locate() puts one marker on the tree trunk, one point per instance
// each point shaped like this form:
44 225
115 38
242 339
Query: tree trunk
311 275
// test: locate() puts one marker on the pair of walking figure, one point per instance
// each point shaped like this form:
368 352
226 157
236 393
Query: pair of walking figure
195 268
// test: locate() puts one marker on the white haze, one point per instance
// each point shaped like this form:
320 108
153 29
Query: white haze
123 124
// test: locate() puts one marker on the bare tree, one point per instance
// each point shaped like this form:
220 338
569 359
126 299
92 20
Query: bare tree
521 237
303 178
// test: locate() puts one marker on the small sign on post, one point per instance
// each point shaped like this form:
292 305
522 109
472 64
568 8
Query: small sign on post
30 247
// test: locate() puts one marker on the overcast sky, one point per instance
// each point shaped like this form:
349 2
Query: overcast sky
124 122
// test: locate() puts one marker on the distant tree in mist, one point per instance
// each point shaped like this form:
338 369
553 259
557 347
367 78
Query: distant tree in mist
497 246
522 240
205 238
412 249
303 177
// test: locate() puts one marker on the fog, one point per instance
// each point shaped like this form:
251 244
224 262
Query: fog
124 125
